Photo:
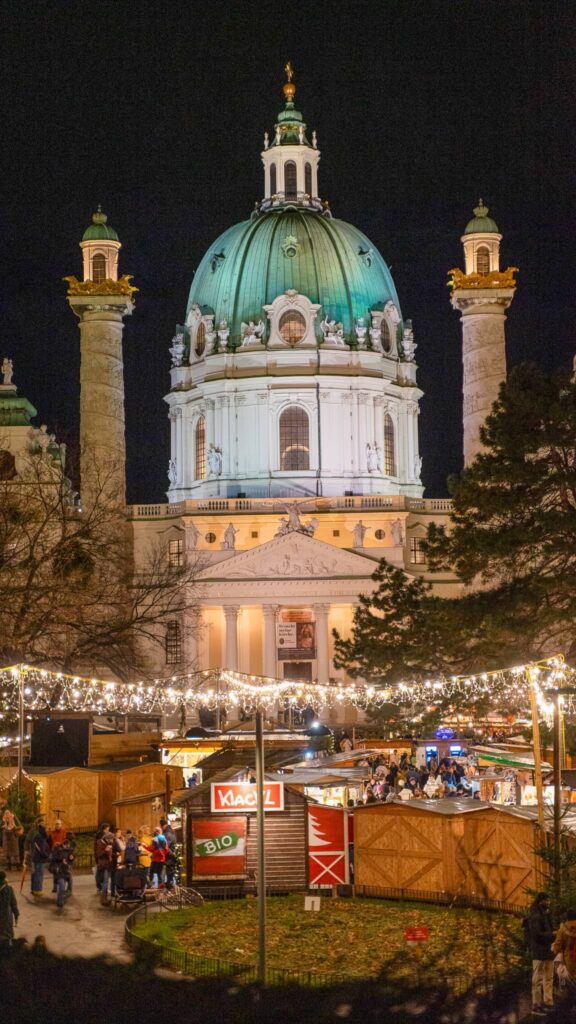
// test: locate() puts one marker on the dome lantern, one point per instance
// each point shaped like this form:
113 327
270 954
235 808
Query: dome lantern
481 241
100 246
290 159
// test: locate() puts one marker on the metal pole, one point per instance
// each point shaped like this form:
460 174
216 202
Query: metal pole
21 727
261 848
536 747
557 793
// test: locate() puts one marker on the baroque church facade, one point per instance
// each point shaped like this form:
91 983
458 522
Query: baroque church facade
293 408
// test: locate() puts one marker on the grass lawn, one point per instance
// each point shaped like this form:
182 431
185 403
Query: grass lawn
358 938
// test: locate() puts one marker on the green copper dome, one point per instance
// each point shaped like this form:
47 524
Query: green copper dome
481 223
99 229
327 260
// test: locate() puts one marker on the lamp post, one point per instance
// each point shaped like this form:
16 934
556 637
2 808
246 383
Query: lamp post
261 846
21 726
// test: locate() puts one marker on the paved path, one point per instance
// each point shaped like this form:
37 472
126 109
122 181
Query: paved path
83 927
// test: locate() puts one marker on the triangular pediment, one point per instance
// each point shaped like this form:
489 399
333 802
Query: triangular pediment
293 556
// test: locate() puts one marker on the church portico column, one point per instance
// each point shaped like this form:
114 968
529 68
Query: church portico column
322 648
231 613
192 636
269 612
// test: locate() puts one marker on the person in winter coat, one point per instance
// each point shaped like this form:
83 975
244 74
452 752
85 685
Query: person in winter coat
39 856
158 848
11 830
540 937
58 834
8 912
103 851
565 944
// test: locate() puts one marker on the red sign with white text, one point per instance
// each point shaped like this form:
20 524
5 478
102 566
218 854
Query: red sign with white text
227 797
218 847
416 934
327 846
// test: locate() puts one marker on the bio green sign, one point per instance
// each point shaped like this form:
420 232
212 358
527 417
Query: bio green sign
220 844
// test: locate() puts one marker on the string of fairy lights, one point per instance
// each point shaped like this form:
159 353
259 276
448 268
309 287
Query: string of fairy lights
45 692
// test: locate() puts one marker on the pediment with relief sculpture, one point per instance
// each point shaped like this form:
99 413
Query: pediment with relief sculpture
294 556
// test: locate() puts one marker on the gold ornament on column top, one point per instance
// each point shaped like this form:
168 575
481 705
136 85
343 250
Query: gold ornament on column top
495 279
289 89
108 287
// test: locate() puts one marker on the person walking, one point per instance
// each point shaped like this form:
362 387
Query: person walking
9 913
11 830
564 948
541 936
39 856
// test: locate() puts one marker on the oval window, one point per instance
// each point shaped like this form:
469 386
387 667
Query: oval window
292 327
200 339
386 335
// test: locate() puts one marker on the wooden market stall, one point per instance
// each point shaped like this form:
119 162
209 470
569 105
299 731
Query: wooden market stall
448 846
285 836
70 794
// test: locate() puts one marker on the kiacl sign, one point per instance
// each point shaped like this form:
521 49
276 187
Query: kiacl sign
242 796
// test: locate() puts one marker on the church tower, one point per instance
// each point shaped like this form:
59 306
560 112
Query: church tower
482 293
101 301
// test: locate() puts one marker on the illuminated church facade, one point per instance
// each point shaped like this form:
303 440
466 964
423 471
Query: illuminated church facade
293 408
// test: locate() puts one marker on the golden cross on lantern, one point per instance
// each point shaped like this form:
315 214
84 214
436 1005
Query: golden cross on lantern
289 71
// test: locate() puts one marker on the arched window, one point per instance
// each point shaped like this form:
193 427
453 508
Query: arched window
308 179
272 179
385 335
200 450
290 181
292 326
98 267
483 260
173 642
294 439
389 447
200 339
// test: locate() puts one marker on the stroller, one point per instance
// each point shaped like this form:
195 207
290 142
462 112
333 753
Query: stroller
130 885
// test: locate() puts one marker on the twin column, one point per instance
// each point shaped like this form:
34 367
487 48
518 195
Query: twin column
269 661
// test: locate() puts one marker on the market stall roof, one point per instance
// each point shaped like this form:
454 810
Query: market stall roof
321 779
333 760
497 755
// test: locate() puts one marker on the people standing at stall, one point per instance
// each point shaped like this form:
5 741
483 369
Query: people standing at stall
564 948
144 844
157 849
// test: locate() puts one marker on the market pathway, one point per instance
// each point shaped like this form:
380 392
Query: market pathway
83 927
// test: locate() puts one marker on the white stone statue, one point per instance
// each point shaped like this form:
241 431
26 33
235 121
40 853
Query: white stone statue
214 459
373 458
44 440
284 527
359 534
293 524
277 136
172 472
229 542
417 466
333 332
376 335
408 345
252 333
192 536
223 333
266 140
177 349
7 371
361 330
396 531
314 140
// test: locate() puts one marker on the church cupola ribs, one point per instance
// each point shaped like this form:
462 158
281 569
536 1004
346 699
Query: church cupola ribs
482 293
290 159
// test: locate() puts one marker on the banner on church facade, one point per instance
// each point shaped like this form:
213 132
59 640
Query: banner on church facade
296 634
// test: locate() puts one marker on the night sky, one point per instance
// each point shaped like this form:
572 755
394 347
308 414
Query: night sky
157 111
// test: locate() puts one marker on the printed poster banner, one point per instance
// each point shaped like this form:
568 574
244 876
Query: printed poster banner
327 846
218 846
242 796
296 641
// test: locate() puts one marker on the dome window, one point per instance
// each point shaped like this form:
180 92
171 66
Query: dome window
483 260
98 268
290 180
294 439
386 335
389 454
292 327
308 179
200 339
200 450
273 185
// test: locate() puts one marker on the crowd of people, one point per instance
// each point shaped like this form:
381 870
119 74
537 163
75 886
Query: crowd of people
152 854
553 952
394 777
52 850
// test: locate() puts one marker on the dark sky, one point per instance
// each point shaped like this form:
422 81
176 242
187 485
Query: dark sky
157 111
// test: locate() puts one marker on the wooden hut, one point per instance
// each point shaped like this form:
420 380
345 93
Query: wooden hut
70 794
285 837
458 847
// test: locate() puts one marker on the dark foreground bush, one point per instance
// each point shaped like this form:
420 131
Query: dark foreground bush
36 987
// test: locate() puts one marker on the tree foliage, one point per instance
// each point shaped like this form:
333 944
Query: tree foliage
70 594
